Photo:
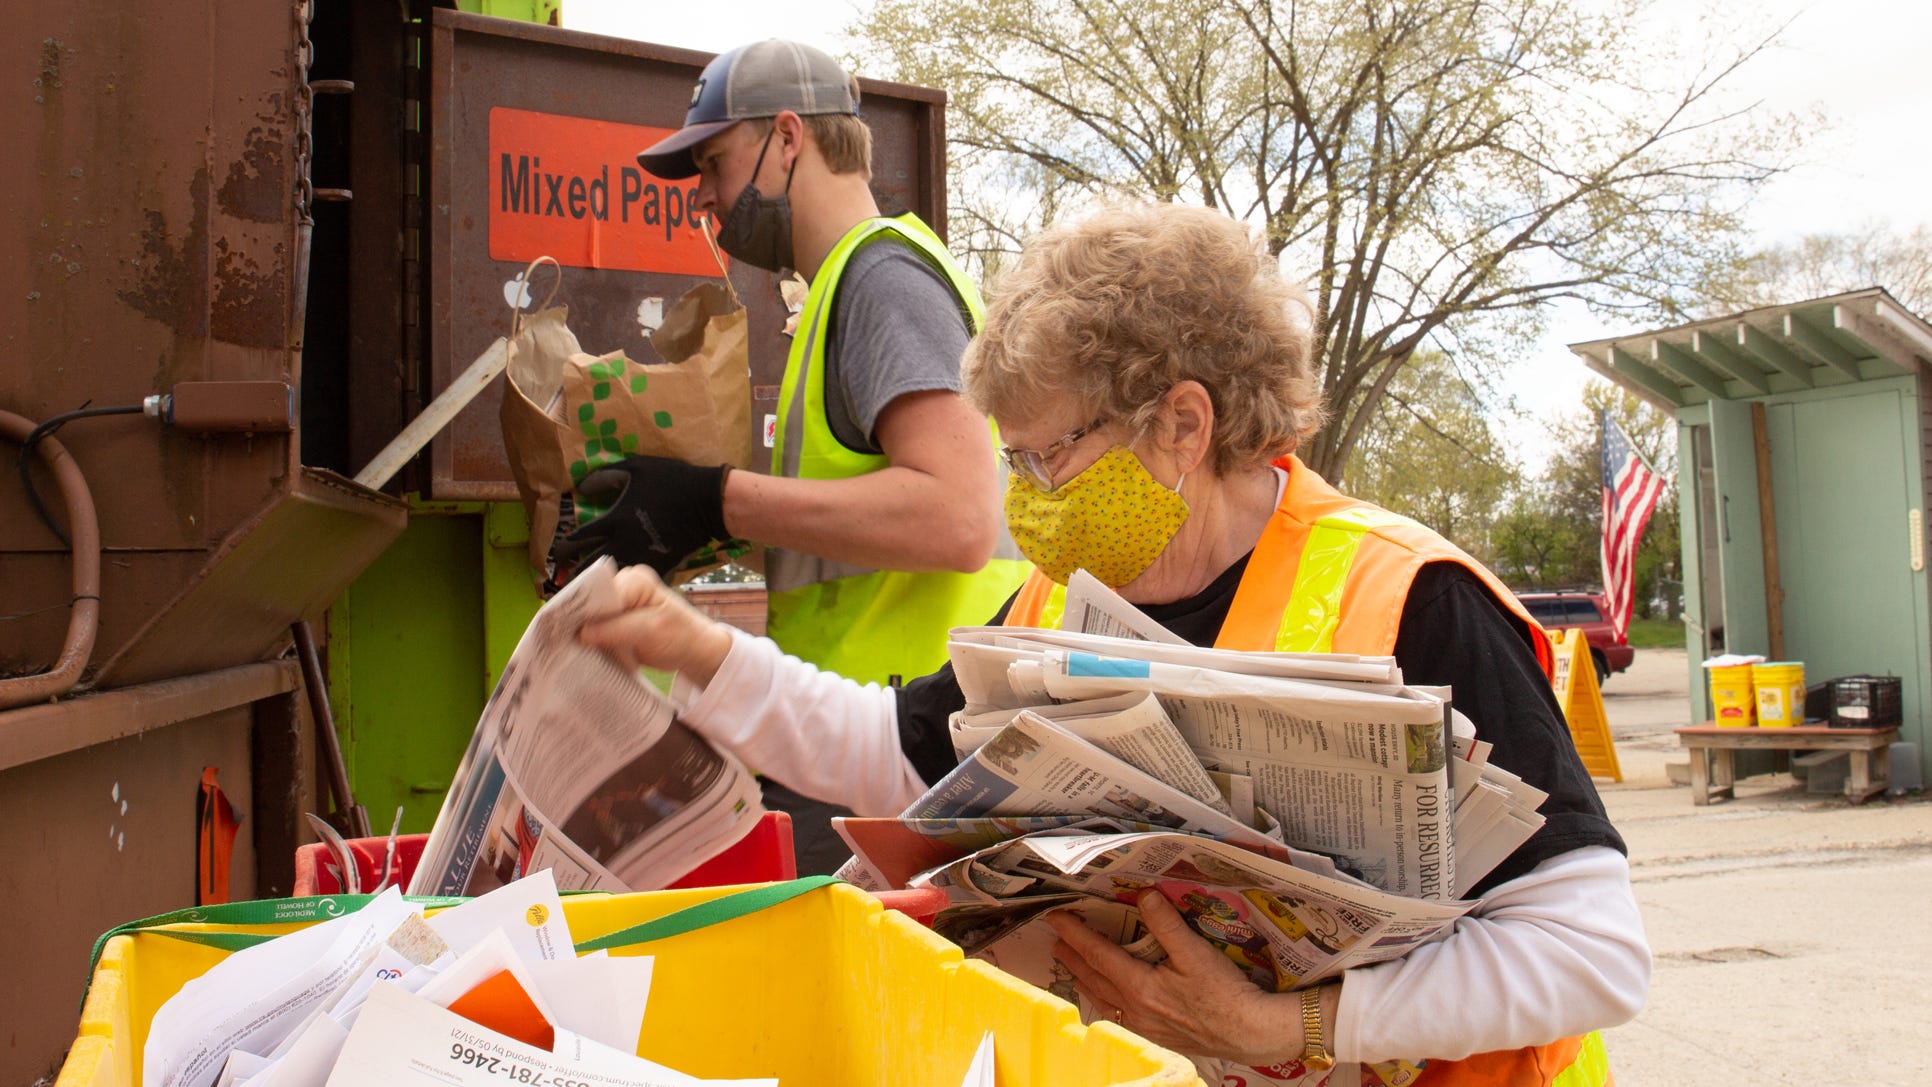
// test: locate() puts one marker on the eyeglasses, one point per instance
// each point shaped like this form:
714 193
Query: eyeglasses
1032 463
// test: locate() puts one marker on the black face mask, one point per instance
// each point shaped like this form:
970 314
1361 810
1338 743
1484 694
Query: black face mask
758 228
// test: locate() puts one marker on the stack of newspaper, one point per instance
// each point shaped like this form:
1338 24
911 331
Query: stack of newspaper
1307 813
580 766
485 992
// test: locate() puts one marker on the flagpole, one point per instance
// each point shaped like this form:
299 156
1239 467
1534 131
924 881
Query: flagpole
1606 502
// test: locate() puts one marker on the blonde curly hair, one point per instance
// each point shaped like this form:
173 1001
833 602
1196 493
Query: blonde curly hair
1117 308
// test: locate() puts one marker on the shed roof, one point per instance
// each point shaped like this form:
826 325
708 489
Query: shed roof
1835 340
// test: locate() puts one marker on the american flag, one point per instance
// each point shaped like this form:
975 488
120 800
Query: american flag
1630 493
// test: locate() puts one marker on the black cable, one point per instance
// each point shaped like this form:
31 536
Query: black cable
50 607
43 430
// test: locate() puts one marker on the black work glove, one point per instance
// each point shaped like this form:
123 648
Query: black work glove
660 511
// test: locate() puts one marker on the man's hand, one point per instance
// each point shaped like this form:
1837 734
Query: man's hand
660 510
655 627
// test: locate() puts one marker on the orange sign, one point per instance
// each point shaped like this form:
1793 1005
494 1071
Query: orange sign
571 188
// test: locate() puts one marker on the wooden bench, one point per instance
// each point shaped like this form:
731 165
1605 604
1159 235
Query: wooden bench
1713 774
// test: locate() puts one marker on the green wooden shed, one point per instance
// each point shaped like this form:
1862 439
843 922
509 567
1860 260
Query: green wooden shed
1804 458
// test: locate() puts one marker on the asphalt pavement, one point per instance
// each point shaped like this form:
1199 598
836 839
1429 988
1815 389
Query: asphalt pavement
1792 931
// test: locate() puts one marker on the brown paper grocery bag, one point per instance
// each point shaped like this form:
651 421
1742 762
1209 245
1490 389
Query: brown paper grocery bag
707 330
540 346
695 406
568 413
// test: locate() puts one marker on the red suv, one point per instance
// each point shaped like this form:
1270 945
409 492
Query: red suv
1586 611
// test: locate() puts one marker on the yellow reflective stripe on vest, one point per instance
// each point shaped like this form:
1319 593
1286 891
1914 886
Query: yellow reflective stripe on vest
1315 605
1053 609
1591 1067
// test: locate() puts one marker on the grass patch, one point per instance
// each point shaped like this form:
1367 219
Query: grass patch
1656 634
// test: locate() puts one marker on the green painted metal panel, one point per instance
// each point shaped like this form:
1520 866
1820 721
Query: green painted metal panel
529 11
1740 539
406 671
1843 485
1846 473
1744 620
1689 493
510 597
1918 717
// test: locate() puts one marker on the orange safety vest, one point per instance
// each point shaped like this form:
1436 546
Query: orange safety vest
1330 574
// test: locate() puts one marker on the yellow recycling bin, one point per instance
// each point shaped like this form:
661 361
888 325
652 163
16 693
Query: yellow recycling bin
826 989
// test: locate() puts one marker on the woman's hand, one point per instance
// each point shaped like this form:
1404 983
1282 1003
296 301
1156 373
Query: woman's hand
658 628
1198 1002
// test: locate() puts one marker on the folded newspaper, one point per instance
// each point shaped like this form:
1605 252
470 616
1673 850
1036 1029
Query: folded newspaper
485 991
1307 813
580 766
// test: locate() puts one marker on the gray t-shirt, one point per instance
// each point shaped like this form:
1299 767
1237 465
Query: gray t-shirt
897 328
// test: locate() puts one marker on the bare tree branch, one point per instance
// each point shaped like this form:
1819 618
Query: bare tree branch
1441 169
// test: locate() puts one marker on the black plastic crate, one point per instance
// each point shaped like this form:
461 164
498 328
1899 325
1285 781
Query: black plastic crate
1865 702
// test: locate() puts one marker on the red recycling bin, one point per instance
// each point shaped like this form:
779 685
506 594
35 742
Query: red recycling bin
763 855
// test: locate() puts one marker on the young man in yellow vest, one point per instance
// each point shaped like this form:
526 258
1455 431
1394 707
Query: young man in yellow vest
882 508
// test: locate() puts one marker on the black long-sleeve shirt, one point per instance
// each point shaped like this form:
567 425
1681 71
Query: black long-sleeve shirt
1454 633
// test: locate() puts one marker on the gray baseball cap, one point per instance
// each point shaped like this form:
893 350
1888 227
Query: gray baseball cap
763 79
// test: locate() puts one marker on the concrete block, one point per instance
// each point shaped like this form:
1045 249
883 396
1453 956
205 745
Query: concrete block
1907 775
1828 775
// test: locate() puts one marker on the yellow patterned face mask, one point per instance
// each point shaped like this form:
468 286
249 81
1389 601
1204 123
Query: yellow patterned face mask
1113 520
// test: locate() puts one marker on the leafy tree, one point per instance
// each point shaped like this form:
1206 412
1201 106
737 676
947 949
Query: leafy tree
1445 168
1433 455
1552 537
1873 255
1536 546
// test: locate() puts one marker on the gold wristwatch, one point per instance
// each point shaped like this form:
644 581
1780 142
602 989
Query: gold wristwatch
1314 1050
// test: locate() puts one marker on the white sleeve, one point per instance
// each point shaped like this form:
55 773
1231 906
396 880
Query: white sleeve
1554 953
817 733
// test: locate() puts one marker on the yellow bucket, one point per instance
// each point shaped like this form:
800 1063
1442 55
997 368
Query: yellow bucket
1780 687
1733 699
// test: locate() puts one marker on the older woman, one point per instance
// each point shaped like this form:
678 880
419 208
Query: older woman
1150 370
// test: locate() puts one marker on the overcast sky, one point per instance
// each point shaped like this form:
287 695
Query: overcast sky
1862 62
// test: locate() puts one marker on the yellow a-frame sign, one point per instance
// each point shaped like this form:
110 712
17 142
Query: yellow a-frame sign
1582 701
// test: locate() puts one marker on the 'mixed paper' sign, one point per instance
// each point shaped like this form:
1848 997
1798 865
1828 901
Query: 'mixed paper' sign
571 188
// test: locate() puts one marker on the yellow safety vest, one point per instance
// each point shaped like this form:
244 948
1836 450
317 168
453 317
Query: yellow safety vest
1330 573
861 623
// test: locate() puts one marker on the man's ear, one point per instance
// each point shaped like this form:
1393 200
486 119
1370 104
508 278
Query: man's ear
1189 424
790 136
